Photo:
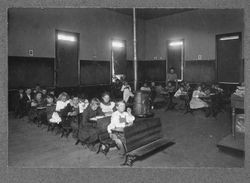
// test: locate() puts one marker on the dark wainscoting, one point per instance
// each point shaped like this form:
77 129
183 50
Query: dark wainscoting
28 71
196 71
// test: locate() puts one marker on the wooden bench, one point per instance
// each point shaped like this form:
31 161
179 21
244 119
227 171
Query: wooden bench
143 137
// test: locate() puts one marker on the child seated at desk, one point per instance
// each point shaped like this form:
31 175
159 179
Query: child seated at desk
61 103
169 92
83 103
196 101
70 116
216 89
218 99
87 133
145 87
170 88
126 89
35 114
106 105
52 93
187 87
120 119
44 94
180 98
50 108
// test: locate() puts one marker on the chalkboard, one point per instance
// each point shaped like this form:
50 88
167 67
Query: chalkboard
147 70
199 71
95 72
152 70
28 71
130 71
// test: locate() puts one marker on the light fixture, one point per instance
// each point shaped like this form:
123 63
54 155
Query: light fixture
117 44
176 43
66 37
229 38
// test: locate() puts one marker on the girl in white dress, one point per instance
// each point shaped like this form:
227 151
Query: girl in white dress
61 103
106 105
196 102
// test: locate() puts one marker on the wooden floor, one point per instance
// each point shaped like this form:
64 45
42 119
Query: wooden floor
195 135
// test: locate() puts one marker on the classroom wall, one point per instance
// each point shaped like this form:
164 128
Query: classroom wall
35 29
198 29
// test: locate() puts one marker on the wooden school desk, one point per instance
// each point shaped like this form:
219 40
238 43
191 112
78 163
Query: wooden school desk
234 141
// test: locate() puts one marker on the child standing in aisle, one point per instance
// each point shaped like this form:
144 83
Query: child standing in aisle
126 89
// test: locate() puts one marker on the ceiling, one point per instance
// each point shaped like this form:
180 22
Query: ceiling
150 13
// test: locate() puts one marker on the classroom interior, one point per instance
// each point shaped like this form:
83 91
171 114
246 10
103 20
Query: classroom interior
87 65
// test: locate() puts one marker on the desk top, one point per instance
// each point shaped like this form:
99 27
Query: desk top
101 123
96 118
117 129
40 108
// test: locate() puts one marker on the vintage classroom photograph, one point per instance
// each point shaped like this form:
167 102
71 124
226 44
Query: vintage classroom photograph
126 87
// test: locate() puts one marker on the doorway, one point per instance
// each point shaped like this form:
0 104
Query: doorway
67 62
175 57
118 58
229 58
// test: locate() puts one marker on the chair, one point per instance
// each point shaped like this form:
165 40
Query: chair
51 126
170 103
159 101
66 127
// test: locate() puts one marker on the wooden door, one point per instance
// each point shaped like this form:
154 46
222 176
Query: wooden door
67 63
229 58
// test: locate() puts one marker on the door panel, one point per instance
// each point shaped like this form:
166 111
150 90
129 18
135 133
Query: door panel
229 61
67 60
